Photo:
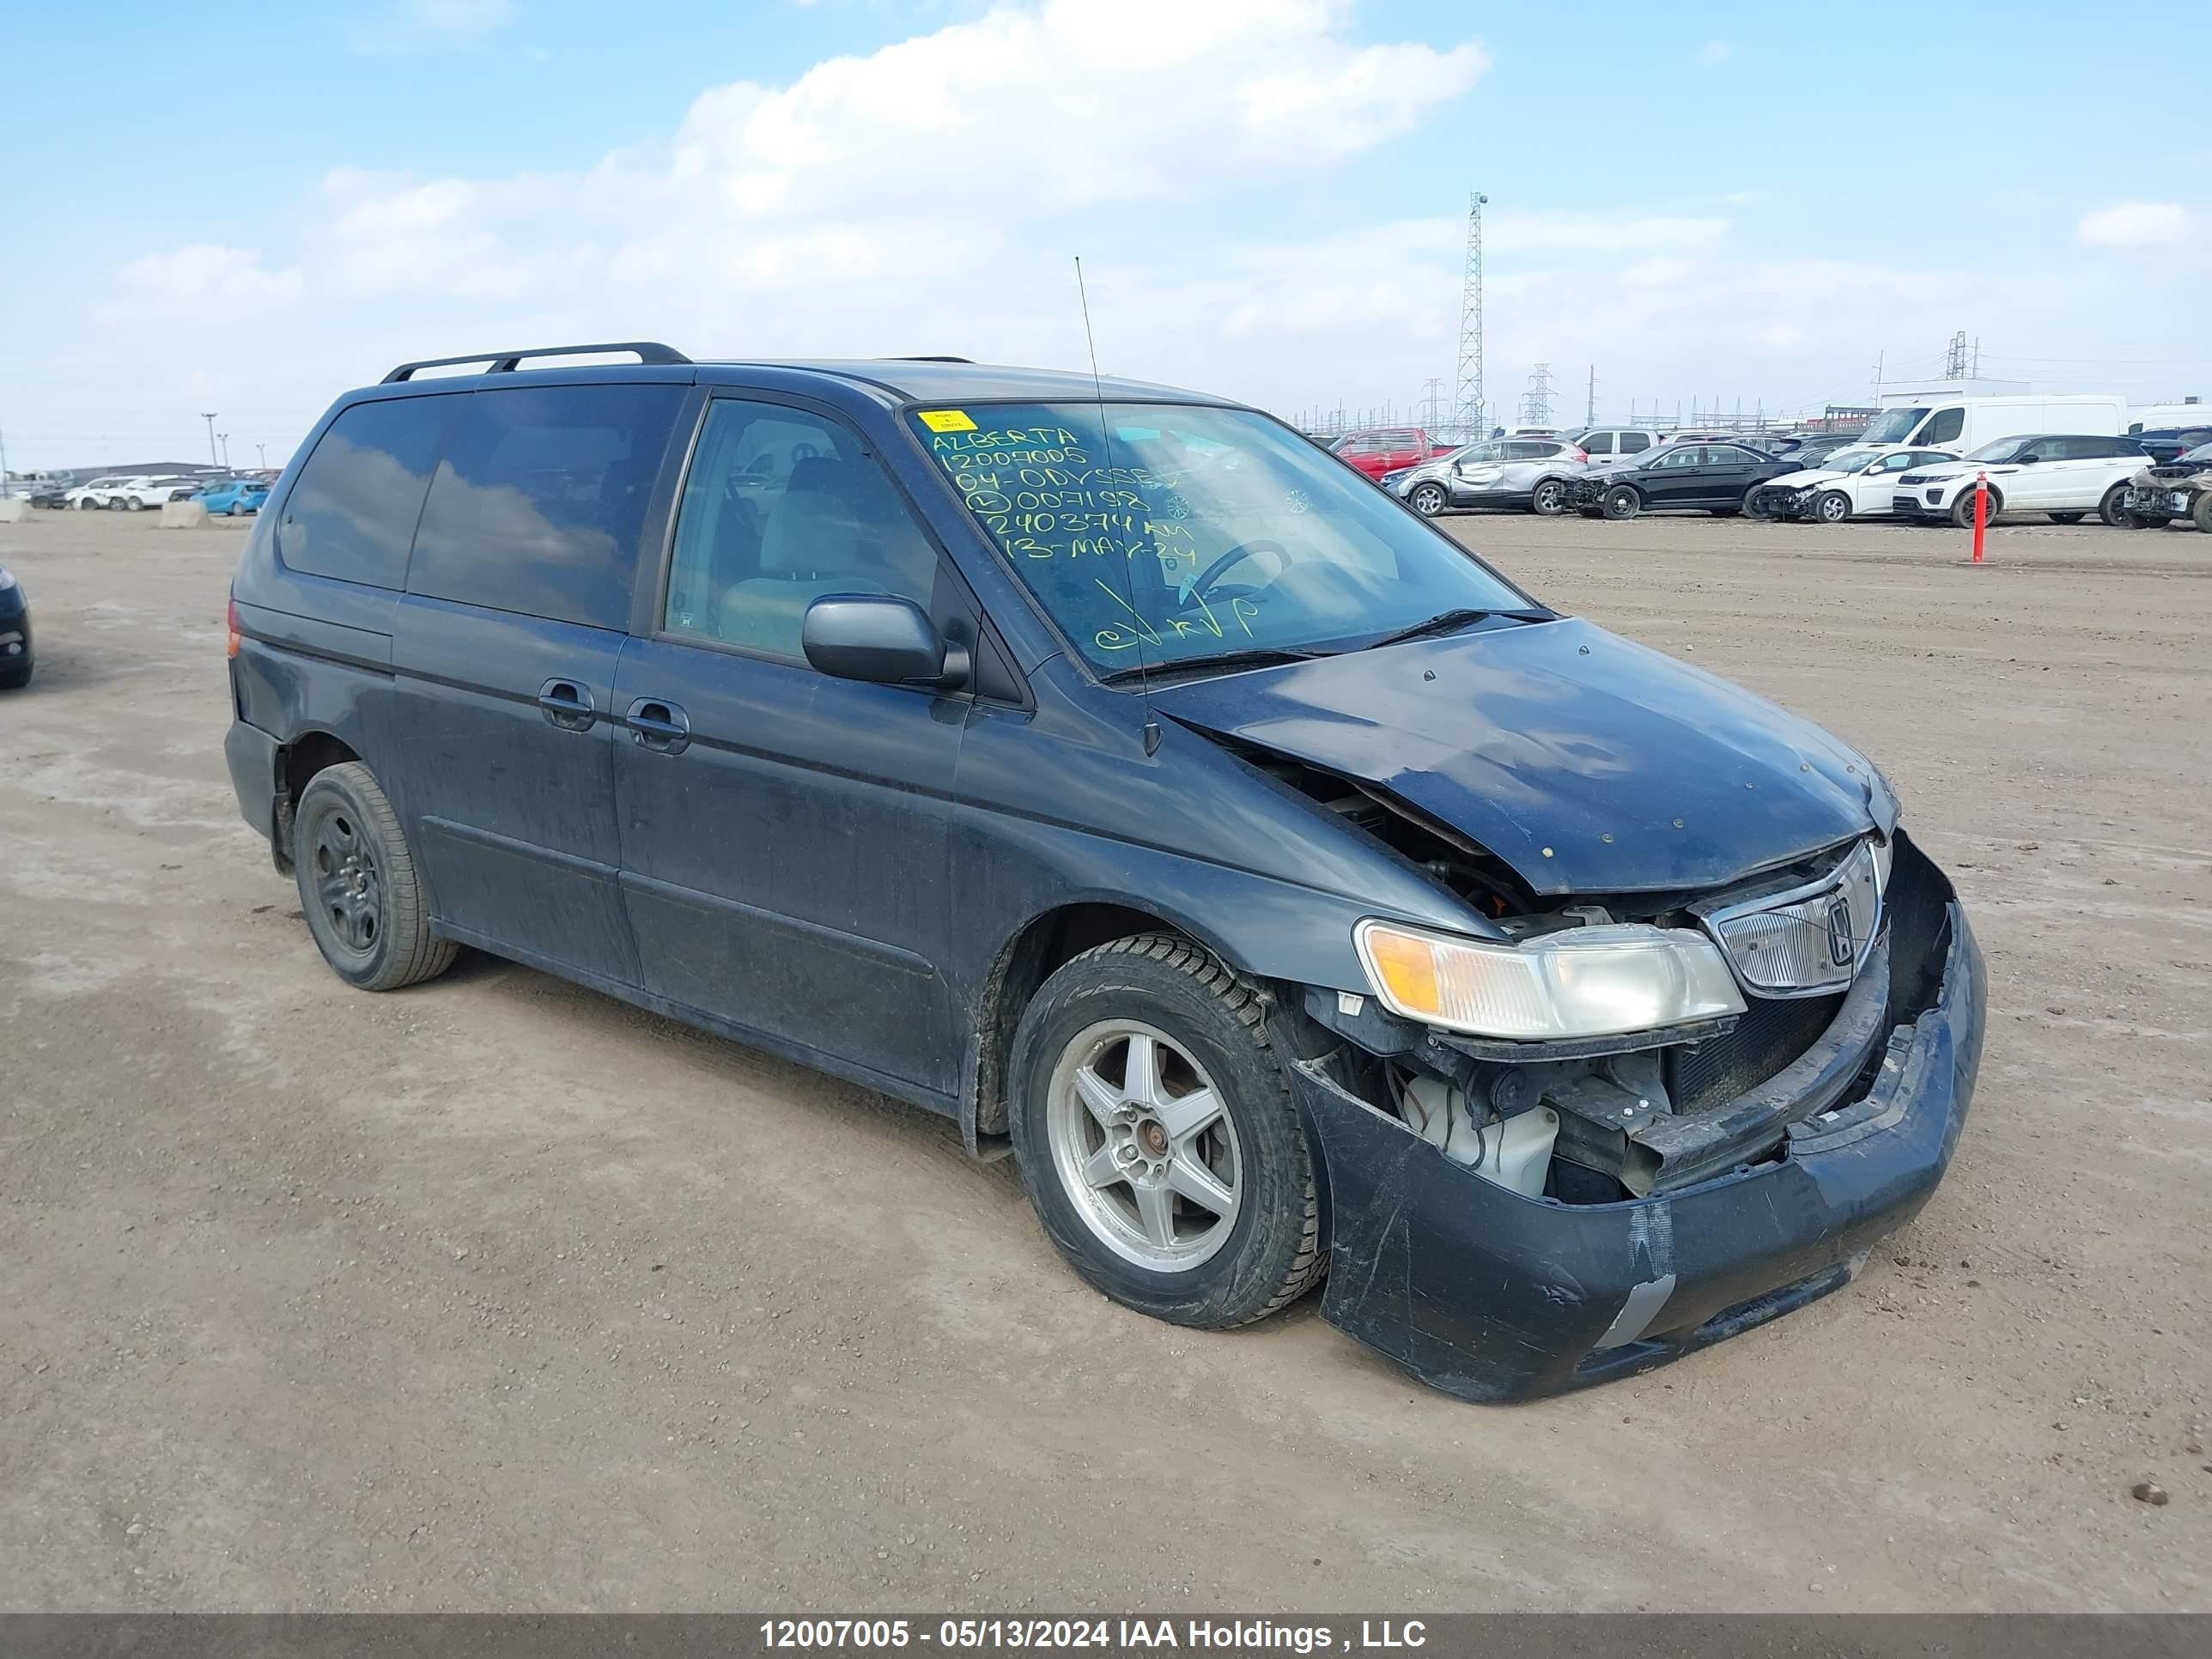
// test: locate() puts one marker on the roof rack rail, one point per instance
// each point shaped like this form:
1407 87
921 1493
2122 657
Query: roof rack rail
929 359
504 363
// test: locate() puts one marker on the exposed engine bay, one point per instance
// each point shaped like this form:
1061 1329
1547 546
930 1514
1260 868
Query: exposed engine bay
1600 1120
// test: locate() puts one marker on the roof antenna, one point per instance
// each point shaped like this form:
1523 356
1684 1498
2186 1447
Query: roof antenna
1098 390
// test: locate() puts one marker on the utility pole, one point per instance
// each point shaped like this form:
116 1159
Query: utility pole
1878 356
1468 400
1589 408
208 415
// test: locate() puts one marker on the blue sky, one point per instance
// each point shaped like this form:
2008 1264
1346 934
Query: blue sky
1713 202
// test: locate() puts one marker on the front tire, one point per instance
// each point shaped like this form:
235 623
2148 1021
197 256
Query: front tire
1962 510
1153 1122
1427 499
2200 512
2067 518
1831 506
2112 510
1622 503
363 900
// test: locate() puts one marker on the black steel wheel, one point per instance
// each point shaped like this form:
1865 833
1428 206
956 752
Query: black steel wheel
364 902
1622 501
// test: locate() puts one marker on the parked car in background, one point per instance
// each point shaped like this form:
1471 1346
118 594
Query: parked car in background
1616 445
141 495
1710 478
2067 475
1311 903
1852 483
2168 443
1530 472
1384 449
2166 490
52 492
230 497
15 633
94 493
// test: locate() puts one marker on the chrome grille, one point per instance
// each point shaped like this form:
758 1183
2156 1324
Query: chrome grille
1808 940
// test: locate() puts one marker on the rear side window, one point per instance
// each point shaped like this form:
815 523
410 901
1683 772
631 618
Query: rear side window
353 511
1634 443
539 501
1946 427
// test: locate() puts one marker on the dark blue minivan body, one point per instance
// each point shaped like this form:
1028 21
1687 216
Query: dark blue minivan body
610 641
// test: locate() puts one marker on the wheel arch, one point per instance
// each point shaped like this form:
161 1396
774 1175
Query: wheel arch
298 760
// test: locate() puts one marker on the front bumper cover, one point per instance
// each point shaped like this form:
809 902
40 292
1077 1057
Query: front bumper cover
1492 1296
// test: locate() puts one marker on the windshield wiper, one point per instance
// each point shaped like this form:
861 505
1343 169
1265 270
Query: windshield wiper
1445 620
1255 657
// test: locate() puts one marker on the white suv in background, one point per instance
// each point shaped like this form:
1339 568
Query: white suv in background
2067 475
1616 445
95 492
141 493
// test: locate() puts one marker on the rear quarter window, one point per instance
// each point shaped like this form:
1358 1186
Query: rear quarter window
352 513
540 498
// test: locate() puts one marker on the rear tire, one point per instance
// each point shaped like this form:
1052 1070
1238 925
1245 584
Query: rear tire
1622 503
1080 1112
2112 510
359 889
1549 499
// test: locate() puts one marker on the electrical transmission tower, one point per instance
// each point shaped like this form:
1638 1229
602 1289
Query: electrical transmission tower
1955 361
1536 401
1468 404
1432 404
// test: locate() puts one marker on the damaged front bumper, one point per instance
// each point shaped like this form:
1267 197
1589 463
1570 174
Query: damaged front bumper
1491 1296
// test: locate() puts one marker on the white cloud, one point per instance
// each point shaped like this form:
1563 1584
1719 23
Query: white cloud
1715 52
415 25
2141 225
202 284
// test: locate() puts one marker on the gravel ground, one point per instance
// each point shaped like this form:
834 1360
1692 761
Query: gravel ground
497 1294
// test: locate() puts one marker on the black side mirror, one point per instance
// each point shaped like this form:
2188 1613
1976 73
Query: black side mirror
2028 459
881 639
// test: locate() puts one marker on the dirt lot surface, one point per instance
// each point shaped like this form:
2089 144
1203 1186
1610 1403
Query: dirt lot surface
498 1294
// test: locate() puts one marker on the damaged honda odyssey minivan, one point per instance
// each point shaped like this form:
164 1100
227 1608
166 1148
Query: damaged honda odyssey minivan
1108 768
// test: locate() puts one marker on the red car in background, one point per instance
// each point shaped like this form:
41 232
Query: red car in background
1376 450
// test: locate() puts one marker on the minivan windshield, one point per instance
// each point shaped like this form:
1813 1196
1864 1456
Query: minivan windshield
1163 533
1893 427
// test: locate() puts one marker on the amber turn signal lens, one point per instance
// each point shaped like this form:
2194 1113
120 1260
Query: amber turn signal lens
1407 969
230 619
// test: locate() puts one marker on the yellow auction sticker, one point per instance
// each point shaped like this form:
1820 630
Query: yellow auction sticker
947 419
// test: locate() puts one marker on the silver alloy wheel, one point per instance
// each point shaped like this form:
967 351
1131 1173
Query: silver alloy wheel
1144 1146
1834 507
1428 500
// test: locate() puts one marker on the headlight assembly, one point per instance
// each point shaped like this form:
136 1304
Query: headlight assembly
1581 982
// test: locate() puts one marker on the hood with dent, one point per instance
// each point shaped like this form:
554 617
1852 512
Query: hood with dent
1587 763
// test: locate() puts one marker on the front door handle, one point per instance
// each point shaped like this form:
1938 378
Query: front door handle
567 705
659 725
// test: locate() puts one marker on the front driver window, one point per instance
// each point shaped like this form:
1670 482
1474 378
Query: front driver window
1946 427
783 507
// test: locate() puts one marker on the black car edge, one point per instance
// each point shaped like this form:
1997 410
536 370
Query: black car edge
1047 752
16 656
1695 476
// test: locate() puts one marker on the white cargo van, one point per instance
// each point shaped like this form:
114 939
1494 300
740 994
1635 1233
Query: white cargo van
1965 424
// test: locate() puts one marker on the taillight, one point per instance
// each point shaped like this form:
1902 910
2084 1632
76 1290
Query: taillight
230 619
1579 454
